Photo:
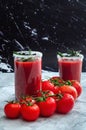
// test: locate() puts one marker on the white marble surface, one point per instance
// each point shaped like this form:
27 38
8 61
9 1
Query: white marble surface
75 120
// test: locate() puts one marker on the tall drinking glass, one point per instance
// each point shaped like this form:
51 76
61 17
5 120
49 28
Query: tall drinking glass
27 67
70 68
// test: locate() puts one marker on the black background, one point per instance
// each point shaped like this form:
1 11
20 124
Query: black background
48 26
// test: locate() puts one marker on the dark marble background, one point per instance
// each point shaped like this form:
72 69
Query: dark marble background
43 25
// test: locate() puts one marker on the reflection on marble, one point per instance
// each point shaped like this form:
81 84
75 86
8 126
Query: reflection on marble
45 25
75 120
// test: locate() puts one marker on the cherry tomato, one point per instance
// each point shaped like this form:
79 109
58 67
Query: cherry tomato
56 81
68 89
65 103
12 110
47 106
77 86
47 85
30 112
46 93
26 99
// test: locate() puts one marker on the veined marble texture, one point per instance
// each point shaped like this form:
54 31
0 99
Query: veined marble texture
48 26
75 120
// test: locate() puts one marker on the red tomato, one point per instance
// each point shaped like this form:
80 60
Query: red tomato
65 103
30 113
56 89
56 81
26 99
68 89
12 110
77 86
47 107
47 85
46 93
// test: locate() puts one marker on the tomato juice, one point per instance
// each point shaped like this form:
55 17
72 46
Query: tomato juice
70 68
27 75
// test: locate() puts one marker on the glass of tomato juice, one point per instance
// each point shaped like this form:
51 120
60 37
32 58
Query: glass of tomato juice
27 67
70 68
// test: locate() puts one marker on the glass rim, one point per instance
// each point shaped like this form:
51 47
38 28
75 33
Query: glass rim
26 54
81 56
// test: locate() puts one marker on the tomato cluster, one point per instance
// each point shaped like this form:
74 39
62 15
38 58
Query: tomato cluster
57 96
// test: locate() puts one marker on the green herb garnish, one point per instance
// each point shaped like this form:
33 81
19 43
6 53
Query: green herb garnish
74 53
22 53
27 59
70 53
28 56
60 54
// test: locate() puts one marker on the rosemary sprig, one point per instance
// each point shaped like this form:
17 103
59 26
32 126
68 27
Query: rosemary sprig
22 53
70 53
27 59
30 56
74 53
60 54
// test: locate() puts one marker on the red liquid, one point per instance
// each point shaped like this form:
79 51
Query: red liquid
70 69
27 78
